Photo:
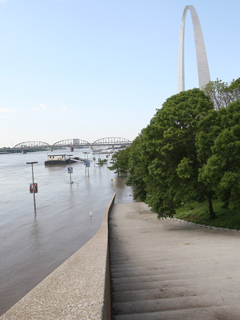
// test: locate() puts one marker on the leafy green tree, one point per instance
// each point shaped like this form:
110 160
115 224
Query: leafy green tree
120 162
190 151
137 169
222 93
166 153
209 128
102 162
234 88
221 172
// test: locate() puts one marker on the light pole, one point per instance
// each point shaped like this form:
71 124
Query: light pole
33 185
70 169
87 164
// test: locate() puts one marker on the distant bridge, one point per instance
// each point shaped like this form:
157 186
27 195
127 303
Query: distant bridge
72 143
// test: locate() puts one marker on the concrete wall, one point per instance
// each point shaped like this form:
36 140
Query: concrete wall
78 289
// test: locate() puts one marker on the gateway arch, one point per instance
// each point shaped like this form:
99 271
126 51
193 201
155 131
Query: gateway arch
202 62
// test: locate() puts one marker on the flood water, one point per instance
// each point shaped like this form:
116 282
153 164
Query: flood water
32 246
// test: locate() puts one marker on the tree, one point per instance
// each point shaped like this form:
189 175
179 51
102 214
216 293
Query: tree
222 93
234 88
221 172
120 162
167 153
137 169
102 162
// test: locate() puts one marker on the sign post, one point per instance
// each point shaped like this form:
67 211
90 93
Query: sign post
70 169
33 187
87 163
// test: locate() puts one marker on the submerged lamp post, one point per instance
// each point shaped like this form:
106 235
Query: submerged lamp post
70 168
33 190
87 163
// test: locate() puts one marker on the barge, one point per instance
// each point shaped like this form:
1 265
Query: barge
60 159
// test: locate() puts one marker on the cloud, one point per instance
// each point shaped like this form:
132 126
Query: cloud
5 109
43 107
62 108
3 117
40 108
3 1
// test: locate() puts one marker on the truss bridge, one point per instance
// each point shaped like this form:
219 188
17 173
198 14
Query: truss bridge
72 143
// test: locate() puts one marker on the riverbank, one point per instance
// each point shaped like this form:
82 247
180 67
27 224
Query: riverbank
32 247
198 213
160 269
78 289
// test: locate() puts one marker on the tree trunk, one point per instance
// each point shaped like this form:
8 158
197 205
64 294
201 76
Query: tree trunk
211 212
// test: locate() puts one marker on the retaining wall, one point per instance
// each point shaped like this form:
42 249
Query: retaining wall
77 289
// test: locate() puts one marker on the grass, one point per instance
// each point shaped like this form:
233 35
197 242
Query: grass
198 213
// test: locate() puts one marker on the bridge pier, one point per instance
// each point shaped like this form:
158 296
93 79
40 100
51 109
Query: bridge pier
24 151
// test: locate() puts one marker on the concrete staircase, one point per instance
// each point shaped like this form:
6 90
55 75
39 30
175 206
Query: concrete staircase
165 269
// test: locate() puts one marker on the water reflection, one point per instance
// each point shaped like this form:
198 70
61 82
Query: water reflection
55 168
35 233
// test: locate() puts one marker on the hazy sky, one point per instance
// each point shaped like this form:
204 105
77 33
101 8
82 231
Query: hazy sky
90 69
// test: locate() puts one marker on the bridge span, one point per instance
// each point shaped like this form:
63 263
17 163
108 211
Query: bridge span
73 143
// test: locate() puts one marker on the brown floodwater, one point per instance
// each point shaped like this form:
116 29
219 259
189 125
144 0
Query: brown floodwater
31 247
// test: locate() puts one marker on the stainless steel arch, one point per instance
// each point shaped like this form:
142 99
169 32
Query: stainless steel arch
202 62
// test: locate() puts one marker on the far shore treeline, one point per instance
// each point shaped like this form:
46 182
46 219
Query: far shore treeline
190 151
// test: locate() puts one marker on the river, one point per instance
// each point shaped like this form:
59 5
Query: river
31 247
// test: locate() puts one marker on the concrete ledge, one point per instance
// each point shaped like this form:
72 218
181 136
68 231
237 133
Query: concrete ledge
205 226
78 289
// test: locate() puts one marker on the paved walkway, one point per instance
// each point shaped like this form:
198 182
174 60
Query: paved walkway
165 269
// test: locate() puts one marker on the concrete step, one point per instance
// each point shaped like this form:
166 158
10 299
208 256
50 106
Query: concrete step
129 260
158 281
209 313
143 261
170 292
178 255
180 303
162 269
199 268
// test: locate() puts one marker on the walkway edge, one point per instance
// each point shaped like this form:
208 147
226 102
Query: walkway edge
204 225
78 289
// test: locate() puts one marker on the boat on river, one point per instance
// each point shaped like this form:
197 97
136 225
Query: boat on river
60 159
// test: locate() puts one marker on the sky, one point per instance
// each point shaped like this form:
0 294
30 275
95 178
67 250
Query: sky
90 69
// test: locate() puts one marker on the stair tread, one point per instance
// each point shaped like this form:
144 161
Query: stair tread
206 313
164 269
157 305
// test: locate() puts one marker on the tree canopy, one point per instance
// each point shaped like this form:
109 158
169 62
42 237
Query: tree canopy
166 153
189 151
119 162
221 93
222 169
